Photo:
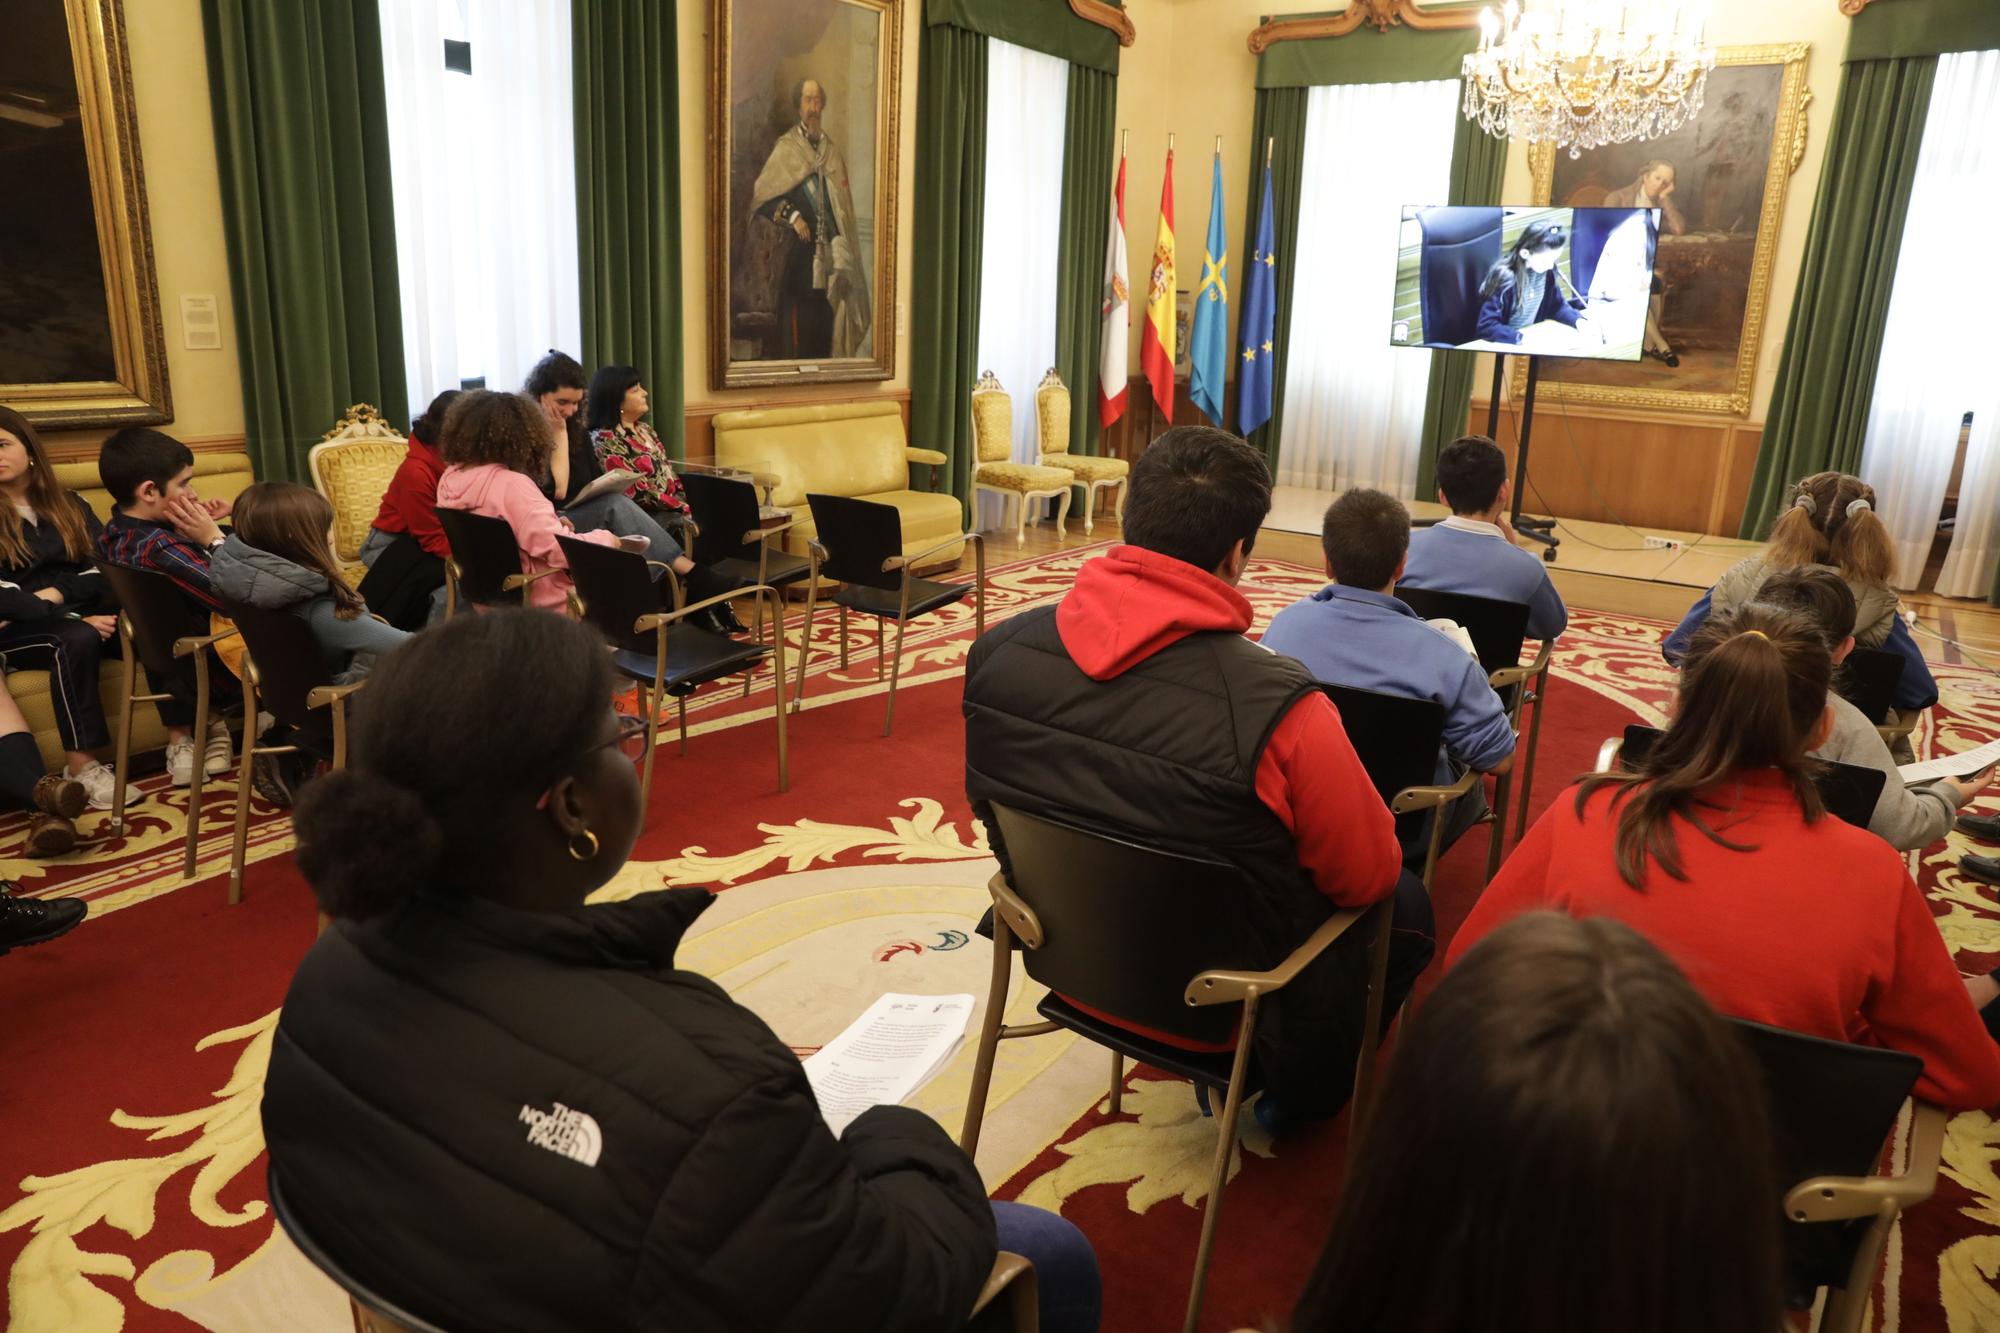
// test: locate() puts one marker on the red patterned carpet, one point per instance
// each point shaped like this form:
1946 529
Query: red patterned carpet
132 1194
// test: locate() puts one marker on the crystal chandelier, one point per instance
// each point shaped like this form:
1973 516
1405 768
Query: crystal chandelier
1584 73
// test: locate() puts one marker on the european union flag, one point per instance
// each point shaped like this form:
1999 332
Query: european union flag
1208 344
1260 324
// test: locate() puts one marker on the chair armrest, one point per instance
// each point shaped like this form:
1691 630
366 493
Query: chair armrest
190 644
755 535
513 581
325 695
1006 1269
896 562
1607 753
1229 986
931 456
1513 675
656 620
1838 1198
1020 918
1424 798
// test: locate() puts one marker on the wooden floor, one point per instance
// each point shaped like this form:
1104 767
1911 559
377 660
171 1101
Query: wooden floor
1603 566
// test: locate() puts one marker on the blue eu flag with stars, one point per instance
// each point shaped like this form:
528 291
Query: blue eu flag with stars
1260 324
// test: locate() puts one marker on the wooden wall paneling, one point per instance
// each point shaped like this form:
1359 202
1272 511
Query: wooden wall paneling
1734 493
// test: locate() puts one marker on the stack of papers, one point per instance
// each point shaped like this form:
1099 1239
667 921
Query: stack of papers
1951 766
894 1048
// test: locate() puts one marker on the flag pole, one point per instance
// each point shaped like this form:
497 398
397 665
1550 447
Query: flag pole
1218 145
1124 140
1268 143
1170 141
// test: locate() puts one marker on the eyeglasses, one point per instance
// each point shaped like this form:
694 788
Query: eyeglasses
630 738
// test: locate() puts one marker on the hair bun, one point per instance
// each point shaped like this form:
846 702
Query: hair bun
365 843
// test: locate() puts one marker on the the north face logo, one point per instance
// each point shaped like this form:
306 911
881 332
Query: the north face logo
566 1132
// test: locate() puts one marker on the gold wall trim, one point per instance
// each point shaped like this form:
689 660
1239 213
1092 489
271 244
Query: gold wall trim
1381 14
1109 16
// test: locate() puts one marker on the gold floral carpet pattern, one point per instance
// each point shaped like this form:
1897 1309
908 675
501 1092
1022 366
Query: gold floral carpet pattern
132 1195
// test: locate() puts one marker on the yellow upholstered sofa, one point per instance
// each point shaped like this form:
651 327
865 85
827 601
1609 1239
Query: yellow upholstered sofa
223 475
853 449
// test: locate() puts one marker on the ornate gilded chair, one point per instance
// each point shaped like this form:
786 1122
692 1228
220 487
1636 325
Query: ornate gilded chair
1093 473
351 466
1018 483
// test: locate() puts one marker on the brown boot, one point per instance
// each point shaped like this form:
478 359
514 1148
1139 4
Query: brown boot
49 835
61 796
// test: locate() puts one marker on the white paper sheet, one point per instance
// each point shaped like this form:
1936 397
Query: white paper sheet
889 1052
1951 766
618 479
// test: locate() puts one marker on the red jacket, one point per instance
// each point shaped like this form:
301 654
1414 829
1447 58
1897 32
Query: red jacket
1817 928
409 503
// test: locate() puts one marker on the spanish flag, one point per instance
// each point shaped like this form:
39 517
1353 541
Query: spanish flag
1156 340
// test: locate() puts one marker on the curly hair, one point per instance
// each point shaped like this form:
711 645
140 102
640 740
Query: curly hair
488 427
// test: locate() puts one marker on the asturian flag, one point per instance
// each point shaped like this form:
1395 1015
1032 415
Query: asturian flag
1209 340
1113 374
1156 340
1260 324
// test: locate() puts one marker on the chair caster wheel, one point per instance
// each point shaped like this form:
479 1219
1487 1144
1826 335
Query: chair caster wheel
1548 555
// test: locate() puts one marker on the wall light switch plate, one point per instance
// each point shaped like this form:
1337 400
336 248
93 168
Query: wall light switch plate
201 324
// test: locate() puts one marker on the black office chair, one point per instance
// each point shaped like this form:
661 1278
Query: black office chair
860 543
485 563
1849 791
663 650
159 629
1159 938
283 668
1868 680
1460 245
727 524
1832 1106
373 1312
1397 741
1498 630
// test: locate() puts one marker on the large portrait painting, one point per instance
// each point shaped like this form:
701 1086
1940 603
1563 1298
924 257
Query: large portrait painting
80 339
1719 184
802 190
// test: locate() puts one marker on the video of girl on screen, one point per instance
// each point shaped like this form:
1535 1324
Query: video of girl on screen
1574 282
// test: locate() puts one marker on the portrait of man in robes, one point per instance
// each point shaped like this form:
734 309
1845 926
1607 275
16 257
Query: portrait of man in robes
802 282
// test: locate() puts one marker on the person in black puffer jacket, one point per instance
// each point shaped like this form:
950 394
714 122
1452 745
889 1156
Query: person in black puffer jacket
504 1109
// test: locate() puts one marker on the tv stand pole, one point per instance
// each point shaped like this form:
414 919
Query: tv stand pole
1534 529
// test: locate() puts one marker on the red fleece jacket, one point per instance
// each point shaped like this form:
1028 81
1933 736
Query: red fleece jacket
1130 603
1817 928
410 503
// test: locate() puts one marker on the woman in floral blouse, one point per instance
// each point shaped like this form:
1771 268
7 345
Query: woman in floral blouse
615 404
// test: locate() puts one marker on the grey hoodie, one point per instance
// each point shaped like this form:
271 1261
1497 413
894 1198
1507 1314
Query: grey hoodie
1905 817
243 573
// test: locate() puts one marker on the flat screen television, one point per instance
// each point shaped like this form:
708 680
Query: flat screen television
1574 282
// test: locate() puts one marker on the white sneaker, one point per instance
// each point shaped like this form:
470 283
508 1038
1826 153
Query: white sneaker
180 761
100 783
215 756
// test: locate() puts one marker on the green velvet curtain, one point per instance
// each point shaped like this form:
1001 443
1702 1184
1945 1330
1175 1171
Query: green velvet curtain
1280 120
1933 28
944 282
1088 129
1478 161
1818 417
1048 26
625 63
1399 55
302 147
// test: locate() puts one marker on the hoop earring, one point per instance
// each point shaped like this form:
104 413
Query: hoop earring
589 852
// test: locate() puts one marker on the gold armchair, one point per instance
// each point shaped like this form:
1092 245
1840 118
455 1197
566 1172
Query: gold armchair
352 466
1015 483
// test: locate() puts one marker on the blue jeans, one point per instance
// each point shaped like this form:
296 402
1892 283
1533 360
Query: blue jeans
622 516
1066 1281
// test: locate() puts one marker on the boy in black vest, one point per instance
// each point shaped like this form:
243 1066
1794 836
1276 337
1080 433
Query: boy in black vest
1136 706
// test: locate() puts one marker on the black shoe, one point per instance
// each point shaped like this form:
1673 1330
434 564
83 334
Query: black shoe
1986 828
725 617
37 920
1985 869
1671 358
269 779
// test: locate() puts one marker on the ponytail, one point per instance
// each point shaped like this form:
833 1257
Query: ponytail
1830 519
1752 691
365 844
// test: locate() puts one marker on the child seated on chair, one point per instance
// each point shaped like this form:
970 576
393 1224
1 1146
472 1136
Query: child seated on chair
1473 551
406 548
1354 633
163 526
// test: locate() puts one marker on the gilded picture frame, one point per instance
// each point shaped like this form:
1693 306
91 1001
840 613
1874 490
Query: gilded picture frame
75 355
1734 162
804 102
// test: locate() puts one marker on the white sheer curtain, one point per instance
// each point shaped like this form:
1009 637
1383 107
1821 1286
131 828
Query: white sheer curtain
1026 97
1354 404
1937 349
485 188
